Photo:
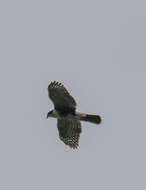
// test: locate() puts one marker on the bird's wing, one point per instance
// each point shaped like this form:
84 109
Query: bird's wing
69 131
60 96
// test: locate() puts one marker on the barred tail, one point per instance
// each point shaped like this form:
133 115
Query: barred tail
96 119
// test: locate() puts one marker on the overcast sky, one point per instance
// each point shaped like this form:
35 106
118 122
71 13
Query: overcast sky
97 49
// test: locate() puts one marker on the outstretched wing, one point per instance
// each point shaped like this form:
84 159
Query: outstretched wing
69 131
60 96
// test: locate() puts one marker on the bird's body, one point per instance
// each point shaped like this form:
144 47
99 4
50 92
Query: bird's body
59 115
68 120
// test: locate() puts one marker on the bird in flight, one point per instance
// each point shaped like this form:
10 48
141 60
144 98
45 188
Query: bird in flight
68 120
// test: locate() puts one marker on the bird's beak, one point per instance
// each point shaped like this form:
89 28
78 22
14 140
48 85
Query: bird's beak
47 115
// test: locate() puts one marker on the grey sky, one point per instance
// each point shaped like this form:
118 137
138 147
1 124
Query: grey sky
97 49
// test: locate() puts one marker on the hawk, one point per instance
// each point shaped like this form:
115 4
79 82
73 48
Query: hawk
68 120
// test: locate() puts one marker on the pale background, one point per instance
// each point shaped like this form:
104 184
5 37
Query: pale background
98 50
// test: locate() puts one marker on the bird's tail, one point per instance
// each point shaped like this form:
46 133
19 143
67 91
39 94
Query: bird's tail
96 119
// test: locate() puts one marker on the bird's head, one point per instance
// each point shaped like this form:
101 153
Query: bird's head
49 114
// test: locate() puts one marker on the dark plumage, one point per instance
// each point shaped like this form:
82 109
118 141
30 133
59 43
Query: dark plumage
68 120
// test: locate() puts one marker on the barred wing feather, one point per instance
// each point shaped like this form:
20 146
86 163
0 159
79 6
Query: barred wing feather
60 96
69 131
